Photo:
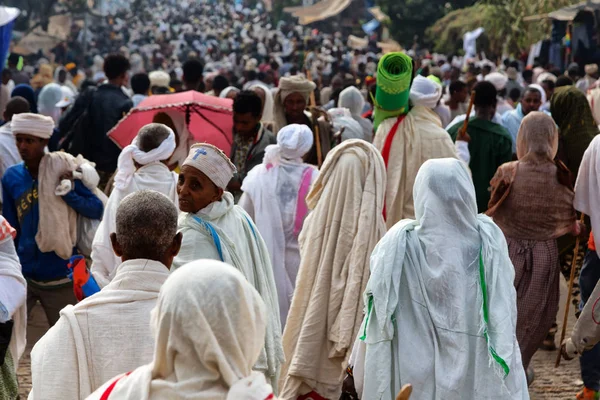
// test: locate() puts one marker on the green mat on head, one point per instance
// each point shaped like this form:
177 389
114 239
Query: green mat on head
394 74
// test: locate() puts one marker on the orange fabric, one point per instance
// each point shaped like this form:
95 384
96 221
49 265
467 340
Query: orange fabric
592 242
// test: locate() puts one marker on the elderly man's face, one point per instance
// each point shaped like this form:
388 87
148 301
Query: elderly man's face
294 105
196 191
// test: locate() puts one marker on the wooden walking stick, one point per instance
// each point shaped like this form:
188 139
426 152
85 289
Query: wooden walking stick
405 392
313 104
572 278
462 132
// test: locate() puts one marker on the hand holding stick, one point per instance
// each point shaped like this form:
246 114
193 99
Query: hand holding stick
462 132
313 103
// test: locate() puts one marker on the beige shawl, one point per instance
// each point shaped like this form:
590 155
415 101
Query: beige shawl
420 137
335 244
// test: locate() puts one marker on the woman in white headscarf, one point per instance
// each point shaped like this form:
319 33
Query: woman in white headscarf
266 96
352 99
209 324
441 305
50 95
275 197
13 318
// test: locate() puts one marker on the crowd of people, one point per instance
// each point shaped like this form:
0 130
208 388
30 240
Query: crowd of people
362 232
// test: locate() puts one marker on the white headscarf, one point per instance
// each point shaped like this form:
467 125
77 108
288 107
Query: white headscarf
352 99
587 187
447 259
267 114
425 92
540 89
226 91
210 326
293 142
131 153
341 118
49 96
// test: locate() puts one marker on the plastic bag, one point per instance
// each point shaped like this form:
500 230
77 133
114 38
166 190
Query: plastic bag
86 230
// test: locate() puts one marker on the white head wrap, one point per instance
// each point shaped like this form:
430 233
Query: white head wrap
540 89
131 153
267 114
425 92
159 78
352 99
226 91
33 124
293 142
211 161
497 79
210 326
546 76
49 96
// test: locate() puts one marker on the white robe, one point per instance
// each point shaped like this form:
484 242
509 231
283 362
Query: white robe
243 247
427 321
104 335
271 198
420 137
155 176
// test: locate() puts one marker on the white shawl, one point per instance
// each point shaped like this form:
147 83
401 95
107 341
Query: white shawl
243 247
210 328
102 336
338 236
587 186
420 137
427 322
155 176
13 291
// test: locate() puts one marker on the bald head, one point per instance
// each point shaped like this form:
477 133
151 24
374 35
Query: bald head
16 105
146 225
151 136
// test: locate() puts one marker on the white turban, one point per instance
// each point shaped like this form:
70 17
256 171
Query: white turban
293 142
425 92
159 79
546 76
295 84
212 162
131 153
498 80
352 99
32 124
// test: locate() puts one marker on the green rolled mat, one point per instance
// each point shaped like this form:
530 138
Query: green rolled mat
394 74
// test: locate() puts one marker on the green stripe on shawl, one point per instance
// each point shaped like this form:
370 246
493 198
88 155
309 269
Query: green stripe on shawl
394 74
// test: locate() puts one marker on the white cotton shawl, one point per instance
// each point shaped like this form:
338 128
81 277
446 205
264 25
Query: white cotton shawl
243 247
271 196
419 138
338 236
132 154
13 291
587 186
154 176
267 114
210 327
426 321
102 336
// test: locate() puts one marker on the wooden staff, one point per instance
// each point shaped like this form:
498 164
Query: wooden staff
405 392
462 132
313 104
572 278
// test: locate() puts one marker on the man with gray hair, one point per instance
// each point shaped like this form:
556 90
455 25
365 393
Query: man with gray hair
142 165
109 333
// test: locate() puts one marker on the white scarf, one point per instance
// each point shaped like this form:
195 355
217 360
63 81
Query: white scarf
210 326
131 153
587 186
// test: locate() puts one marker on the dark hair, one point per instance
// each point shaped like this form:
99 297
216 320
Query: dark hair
140 83
247 101
527 74
515 94
532 90
115 65
16 105
563 81
192 71
485 94
549 83
220 83
456 86
252 75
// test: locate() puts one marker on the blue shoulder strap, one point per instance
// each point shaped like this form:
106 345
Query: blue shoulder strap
213 233
251 227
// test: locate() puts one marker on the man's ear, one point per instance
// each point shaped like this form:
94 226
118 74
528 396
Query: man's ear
115 245
176 246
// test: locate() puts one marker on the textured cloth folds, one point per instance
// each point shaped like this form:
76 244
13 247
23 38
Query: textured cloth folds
425 92
394 75
131 153
338 236
587 186
212 162
32 124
